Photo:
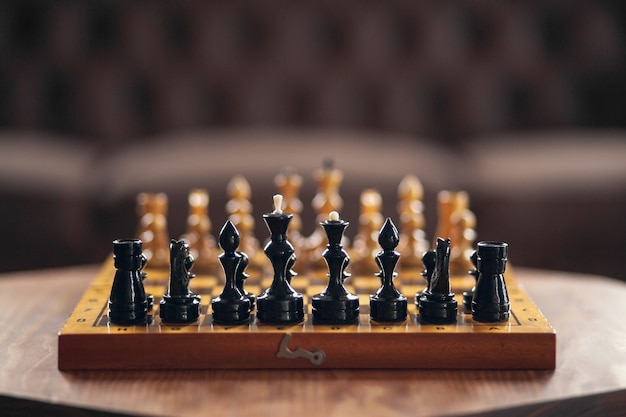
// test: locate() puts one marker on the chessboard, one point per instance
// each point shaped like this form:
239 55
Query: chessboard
90 340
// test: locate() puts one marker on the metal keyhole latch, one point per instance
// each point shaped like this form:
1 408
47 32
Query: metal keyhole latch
315 356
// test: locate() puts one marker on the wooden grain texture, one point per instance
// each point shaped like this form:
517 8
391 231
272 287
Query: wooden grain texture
591 370
89 341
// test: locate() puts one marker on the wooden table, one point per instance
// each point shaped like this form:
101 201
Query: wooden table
590 377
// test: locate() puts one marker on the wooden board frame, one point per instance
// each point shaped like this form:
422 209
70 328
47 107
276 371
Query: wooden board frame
88 341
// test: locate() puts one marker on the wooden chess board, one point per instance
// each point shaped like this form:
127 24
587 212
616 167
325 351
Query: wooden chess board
88 341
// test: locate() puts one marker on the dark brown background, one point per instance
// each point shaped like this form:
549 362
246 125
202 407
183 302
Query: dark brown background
521 103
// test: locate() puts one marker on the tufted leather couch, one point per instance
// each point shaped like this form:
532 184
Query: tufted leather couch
520 103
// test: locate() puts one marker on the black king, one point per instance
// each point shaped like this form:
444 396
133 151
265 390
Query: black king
335 304
280 303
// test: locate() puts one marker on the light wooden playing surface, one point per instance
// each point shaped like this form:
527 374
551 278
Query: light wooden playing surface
88 341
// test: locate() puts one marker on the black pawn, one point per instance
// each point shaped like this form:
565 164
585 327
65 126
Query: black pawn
388 304
179 305
241 276
149 297
491 299
437 304
468 295
127 302
335 304
231 306
280 303
428 259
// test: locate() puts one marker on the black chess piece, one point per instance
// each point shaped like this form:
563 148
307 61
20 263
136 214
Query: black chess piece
180 305
280 303
128 303
149 297
241 276
290 272
468 295
335 304
231 306
491 299
437 304
388 304
428 259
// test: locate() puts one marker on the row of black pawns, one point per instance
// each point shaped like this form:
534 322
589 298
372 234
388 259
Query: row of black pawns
281 304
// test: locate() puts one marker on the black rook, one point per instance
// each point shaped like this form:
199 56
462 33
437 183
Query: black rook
127 302
490 302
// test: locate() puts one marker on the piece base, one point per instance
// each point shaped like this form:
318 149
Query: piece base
128 313
184 310
231 311
281 311
496 314
388 310
335 310
438 309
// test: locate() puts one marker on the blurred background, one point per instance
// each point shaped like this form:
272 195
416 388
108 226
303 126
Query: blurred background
522 104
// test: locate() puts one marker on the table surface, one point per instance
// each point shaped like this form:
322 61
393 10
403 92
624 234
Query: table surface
590 376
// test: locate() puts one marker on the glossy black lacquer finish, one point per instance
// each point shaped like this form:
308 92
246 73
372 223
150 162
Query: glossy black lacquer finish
280 303
127 302
437 303
388 304
490 302
180 305
231 306
241 276
335 304
429 258
469 295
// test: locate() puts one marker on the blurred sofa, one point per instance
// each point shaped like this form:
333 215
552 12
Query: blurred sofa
557 197
520 104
